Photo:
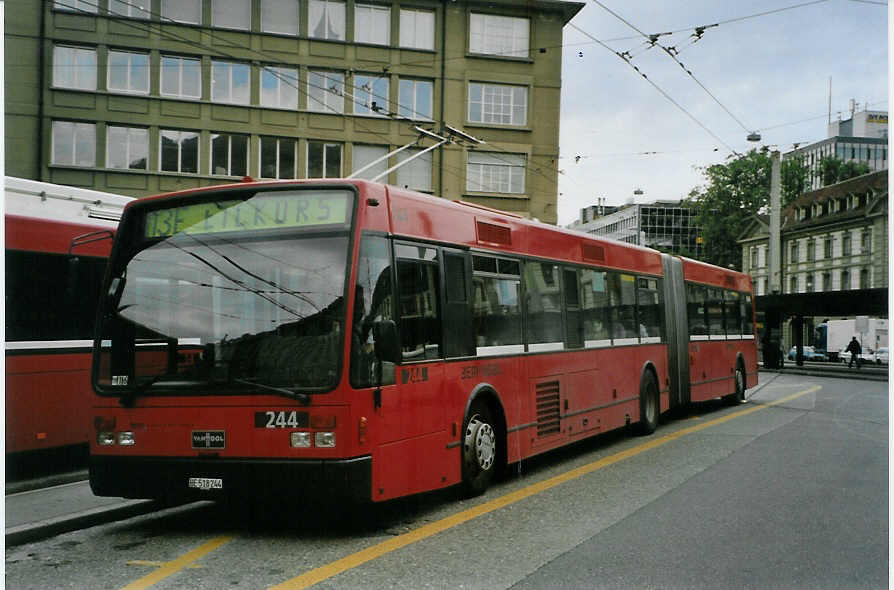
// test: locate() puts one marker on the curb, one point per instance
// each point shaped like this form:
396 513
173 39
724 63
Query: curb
35 531
832 374
15 487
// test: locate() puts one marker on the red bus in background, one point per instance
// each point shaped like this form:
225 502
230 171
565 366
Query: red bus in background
57 241
342 337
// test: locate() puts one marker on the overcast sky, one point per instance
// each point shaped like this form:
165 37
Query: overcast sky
771 72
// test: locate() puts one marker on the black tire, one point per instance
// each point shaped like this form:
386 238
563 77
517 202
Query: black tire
479 450
738 396
649 405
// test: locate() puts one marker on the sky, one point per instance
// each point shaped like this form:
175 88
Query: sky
771 72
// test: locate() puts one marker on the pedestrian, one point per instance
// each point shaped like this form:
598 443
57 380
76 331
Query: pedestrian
854 348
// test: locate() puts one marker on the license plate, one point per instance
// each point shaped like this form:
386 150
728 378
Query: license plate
205 483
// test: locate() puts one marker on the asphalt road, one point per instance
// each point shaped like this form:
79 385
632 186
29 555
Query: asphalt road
788 490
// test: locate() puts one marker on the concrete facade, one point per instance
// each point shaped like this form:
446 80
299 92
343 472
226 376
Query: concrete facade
106 95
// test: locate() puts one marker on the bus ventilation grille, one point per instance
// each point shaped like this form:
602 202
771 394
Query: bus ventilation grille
548 408
495 234
593 252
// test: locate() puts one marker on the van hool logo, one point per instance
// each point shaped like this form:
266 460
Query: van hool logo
208 439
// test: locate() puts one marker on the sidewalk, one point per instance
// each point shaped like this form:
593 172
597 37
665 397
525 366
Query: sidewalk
38 513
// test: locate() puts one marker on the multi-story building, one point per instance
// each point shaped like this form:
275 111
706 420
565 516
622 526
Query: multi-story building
664 225
833 239
863 139
144 96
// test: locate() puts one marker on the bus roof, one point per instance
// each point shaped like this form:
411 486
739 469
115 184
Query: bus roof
60 203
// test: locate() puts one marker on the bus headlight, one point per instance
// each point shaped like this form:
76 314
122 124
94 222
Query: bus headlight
105 439
126 439
324 439
299 440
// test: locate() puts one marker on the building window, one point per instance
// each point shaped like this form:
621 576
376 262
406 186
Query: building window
827 281
182 11
417 29
364 155
864 278
127 148
498 103
74 144
129 72
327 20
793 285
827 247
753 257
499 35
415 174
865 241
279 16
231 14
325 91
492 172
372 24
229 154
323 160
845 280
370 95
132 8
74 67
415 99
230 82
179 151
278 157
279 87
846 244
810 282
811 250
76 5
794 252
181 77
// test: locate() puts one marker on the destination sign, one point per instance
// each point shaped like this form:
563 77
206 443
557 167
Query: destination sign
269 210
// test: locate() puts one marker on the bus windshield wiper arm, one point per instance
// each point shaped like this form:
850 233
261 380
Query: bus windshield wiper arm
301 397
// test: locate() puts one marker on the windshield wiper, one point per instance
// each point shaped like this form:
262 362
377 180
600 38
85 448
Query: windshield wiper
301 397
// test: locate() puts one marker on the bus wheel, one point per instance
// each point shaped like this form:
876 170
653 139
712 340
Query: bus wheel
738 396
479 450
649 407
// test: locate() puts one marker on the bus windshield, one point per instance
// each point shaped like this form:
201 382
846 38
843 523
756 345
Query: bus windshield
232 304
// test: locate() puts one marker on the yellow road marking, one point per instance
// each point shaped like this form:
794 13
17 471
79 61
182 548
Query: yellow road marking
146 562
172 567
344 564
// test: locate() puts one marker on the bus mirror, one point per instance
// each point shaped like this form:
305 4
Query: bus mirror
385 337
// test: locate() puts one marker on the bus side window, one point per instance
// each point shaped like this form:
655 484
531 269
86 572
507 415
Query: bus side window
733 318
715 312
574 329
695 301
543 311
747 315
496 308
373 302
623 297
419 295
595 308
650 309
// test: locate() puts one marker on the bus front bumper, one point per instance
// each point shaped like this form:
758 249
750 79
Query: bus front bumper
193 478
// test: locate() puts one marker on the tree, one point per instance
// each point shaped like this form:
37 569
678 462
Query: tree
734 192
834 170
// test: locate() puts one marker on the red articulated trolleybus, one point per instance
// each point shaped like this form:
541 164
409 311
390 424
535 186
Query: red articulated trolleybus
57 241
347 338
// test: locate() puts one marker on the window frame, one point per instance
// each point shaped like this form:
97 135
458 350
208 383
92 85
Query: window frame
264 27
371 21
482 187
372 95
130 72
228 4
497 110
325 145
76 67
197 9
338 94
412 111
75 127
404 42
480 41
181 70
130 7
127 148
325 5
230 71
180 140
277 74
229 167
262 139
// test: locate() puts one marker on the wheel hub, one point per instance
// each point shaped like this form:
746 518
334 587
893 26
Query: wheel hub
480 444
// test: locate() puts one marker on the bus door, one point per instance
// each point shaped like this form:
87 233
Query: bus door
677 330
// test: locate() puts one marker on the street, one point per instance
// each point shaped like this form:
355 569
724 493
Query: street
787 490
